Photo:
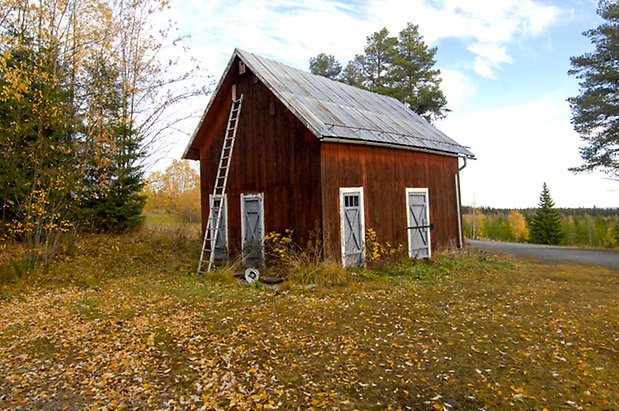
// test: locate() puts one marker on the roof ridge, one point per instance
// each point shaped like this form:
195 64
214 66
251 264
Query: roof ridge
319 102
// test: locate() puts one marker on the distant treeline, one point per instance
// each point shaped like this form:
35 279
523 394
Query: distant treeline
591 227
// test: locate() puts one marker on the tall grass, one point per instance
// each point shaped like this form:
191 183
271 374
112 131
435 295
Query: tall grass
304 266
306 269
90 260
166 248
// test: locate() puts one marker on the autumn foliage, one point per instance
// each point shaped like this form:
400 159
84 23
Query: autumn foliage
85 95
175 190
579 227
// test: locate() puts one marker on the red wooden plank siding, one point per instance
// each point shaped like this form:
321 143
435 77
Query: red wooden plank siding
300 177
385 173
274 154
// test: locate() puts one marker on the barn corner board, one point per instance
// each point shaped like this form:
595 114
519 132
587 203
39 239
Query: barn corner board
328 161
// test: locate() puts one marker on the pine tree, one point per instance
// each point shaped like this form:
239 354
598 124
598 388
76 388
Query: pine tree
416 82
546 224
401 67
377 62
595 112
326 66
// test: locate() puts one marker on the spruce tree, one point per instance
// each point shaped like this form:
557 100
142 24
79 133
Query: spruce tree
111 195
546 224
117 206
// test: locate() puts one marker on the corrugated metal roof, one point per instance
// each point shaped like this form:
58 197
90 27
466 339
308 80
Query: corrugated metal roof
336 110
340 112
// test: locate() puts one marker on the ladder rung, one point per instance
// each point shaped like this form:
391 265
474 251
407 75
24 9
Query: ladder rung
214 219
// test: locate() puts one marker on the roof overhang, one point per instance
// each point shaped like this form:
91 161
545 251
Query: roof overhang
331 139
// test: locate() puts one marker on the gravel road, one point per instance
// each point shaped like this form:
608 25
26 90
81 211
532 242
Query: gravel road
609 258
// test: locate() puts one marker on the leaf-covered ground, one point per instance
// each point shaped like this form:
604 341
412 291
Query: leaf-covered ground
121 325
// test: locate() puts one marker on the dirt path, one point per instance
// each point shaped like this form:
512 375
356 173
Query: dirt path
608 258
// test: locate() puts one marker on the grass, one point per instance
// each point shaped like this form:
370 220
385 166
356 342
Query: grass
123 322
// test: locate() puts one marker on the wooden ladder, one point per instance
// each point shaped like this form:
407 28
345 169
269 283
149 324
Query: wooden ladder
207 257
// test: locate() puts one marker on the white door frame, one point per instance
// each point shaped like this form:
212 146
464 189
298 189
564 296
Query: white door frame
260 197
409 222
344 191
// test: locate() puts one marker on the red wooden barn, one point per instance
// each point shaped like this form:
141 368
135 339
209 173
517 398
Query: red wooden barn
327 159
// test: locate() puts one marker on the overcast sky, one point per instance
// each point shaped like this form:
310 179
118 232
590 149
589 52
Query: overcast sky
504 67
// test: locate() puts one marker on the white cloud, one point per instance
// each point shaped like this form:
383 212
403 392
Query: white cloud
492 52
483 67
488 57
287 30
296 30
487 28
458 88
